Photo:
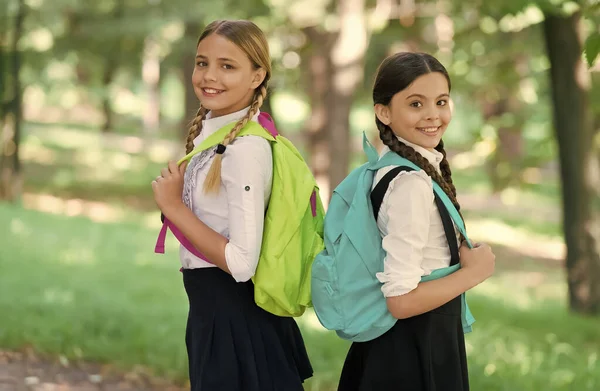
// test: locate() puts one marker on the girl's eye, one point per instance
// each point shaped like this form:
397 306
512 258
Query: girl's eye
227 66
442 102
416 104
201 63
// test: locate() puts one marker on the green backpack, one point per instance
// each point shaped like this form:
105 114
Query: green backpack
293 230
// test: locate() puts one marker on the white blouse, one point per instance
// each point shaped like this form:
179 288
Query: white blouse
411 227
237 211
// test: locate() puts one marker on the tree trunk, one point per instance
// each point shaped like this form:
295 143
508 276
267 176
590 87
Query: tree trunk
10 135
506 163
347 69
318 83
110 67
107 77
336 67
578 161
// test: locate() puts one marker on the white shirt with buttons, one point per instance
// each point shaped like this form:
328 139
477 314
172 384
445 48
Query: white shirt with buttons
237 211
411 227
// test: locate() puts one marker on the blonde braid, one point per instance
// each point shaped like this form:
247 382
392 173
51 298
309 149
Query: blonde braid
212 184
195 129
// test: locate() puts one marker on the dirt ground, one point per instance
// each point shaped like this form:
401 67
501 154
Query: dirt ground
25 371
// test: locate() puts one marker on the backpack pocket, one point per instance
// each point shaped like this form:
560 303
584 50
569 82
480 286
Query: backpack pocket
325 291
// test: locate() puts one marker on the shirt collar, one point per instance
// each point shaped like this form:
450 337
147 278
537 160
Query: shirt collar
211 125
433 157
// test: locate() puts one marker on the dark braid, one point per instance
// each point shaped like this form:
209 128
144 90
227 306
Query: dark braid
389 138
445 169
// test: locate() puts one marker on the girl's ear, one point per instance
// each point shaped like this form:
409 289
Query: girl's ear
259 77
383 113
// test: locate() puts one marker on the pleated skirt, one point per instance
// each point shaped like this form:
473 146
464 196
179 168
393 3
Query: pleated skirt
422 353
234 345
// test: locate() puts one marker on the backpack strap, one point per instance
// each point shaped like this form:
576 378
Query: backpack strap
381 187
449 230
265 120
377 199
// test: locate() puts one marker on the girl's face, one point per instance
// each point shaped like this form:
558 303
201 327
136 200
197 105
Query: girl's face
420 113
224 78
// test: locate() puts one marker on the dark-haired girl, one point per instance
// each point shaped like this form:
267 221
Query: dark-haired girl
425 350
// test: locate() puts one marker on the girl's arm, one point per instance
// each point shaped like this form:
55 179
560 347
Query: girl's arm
406 227
431 294
246 174
203 238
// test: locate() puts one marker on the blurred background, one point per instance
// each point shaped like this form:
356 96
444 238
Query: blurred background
95 98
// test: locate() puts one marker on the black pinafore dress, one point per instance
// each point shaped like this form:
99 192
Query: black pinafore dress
422 353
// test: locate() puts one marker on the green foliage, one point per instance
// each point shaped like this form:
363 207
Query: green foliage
592 48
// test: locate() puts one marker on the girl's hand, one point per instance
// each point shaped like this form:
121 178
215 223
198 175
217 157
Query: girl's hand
168 187
480 261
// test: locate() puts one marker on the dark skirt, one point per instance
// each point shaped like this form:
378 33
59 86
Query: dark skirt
422 353
234 345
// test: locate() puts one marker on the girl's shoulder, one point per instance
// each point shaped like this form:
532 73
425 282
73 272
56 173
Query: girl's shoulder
405 179
248 150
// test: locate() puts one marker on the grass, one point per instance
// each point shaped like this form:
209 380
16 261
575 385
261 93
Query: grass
79 289
84 290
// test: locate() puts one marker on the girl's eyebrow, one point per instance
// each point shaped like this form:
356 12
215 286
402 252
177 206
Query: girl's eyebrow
424 97
220 58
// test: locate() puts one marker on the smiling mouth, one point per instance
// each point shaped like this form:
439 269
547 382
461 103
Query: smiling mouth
429 130
211 91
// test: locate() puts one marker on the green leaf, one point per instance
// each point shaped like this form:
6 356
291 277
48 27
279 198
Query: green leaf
592 48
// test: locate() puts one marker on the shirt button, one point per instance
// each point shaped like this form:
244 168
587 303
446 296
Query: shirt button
247 188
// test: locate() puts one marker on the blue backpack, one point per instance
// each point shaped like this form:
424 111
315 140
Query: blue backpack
346 294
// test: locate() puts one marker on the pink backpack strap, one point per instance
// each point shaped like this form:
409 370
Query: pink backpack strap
160 241
265 120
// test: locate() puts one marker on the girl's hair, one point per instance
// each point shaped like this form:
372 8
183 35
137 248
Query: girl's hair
248 37
395 74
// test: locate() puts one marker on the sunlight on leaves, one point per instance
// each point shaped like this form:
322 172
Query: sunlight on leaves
480 151
58 70
34 3
527 91
90 157
510 196
158 154
40 40
132 144
296 109
305 12
592 360
126 102
562 377
35 152
121 161
488 25
514 23
173 31
490 369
